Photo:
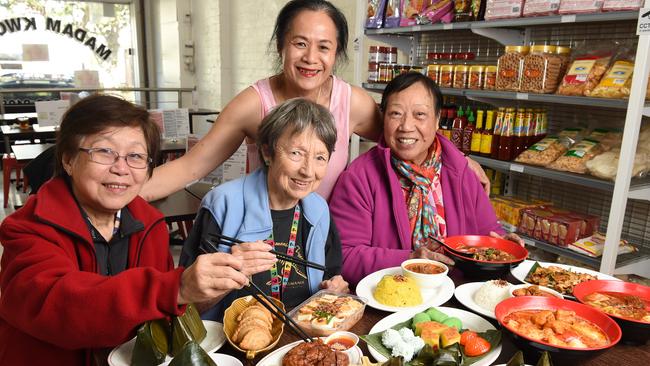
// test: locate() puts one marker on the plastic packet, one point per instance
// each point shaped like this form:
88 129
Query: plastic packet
411 10
545 151
438 11
618 5
586 70
594 246
580 6
503 9
605 165
393 10
375 13
608 138
576 158
540 7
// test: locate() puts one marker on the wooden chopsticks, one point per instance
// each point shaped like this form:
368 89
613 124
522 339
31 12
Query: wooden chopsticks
266 301
226 240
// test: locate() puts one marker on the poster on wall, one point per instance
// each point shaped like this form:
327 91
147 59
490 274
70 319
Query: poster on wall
49 113
174 123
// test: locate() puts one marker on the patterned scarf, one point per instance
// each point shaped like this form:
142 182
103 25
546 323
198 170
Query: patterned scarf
423 195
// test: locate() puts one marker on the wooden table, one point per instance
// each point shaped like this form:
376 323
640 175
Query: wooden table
34 131
29 152
622 355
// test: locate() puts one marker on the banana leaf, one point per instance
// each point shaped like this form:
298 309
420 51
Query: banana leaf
545 360
151 344
192 355
185 328
517 359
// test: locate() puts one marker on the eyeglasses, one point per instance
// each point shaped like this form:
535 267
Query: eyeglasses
107 156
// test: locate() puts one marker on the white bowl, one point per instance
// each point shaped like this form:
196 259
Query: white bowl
351 337
542 288
425 280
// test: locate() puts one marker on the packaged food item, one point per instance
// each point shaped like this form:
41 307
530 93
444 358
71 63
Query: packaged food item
461 76
433 72
393 17
590 223
580 6
617 5
544 152
605 165
576 158
463 11
617 81
446 76
375 13
509 210
550 224
490 79
540 7
564 53
476 73
509 68
541 70
584 74
410 10
608 138
503 9
437 11
326 312
594 246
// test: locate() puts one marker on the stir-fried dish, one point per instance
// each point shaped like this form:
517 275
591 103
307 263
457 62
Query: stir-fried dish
619 304
559 279
531 291
486 254
561 328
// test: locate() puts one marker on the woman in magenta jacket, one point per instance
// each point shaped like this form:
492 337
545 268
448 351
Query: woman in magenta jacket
413 185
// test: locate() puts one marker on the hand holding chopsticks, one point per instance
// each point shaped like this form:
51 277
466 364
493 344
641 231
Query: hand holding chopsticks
228 241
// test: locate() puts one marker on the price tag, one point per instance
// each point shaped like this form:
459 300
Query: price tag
517 168
448 26
568 18
529 242
417 28
522 96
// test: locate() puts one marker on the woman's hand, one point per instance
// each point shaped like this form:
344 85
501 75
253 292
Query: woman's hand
211 276
426 253
480 174
509 236
255 256
335 284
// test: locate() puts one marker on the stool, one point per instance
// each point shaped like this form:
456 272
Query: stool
9 163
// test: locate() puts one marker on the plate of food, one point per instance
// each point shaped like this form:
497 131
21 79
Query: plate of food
483 297
441 332
327 312
214 339
559 277
291 351
389 290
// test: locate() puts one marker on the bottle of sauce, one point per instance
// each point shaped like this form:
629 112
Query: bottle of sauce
477 135
451 114
528 129
505 140
518 134
468 131
486 135
457 129
496 135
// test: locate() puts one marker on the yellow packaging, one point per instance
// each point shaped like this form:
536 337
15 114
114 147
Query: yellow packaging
617 82
509 210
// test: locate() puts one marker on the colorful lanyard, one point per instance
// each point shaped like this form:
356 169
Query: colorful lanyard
286 271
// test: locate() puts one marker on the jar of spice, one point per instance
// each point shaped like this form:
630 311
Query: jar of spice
385 72
461 75
433 72
373 72
391 55
490 77
509 68
446 76
475 77
373 55
541 70
383 54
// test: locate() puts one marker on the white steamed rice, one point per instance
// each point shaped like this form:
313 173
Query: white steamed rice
491 293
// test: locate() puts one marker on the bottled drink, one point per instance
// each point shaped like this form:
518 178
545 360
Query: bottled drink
486 135
477 135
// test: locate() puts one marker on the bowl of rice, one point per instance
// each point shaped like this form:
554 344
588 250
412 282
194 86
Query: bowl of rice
491 293
397 290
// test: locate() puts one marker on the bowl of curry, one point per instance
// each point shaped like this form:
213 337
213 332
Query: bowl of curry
484 256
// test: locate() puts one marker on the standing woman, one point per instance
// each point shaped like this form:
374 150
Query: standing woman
311 37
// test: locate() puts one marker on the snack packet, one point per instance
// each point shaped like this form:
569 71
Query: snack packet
575 159
594 246
584 74
375 13
393 11
617 81
544 152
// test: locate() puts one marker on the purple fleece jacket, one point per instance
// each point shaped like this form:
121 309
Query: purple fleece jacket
369 209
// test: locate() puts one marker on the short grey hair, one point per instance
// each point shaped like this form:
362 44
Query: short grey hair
296 115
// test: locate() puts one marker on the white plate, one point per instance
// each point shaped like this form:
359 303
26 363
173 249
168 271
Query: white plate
275 358
220 359
121 355
470 321
430 296
465 295
522 270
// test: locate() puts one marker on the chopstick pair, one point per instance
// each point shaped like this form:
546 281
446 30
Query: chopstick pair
226 240
266 301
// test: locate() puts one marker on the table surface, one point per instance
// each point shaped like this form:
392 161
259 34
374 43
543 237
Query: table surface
620 354
179 206
29 151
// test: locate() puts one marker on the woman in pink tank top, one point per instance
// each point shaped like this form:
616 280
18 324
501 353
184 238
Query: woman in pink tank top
310 37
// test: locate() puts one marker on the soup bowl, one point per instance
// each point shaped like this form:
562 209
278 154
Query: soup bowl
427 273
562 354
634 331
482 268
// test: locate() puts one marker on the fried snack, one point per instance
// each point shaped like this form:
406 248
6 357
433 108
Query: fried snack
583 75
254 329
617 82
543 152
575 160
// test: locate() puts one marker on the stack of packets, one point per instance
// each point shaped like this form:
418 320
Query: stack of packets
594 245
509 210
557 226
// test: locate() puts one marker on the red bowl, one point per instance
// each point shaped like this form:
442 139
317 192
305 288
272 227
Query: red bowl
478 268
605 323
634 331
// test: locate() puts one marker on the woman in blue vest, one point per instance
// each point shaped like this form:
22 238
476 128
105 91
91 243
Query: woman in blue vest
276 204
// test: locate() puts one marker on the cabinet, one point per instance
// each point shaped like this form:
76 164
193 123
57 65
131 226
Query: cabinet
624 205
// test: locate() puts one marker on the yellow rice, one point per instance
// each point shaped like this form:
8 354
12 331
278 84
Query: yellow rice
398 290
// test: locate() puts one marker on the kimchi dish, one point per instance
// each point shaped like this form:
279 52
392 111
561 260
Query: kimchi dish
620 304
559 279
562 328
486 253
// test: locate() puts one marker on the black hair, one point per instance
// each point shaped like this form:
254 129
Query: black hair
294 7
404 81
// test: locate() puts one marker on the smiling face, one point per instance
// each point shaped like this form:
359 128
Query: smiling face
410 123
309 52
102 190
296 169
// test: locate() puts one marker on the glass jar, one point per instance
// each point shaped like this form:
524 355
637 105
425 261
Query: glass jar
433 72
541 70
490 77
509 68
475 77
374 55
373 72
385 72
383 54
461 75
391 55
564 53
446 76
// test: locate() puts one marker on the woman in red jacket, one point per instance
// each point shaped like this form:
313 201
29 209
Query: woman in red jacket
86 261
